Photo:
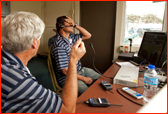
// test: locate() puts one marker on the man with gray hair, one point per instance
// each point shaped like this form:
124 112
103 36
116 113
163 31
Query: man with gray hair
20 91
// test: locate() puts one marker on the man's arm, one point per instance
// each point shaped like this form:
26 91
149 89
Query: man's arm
84 32
69 92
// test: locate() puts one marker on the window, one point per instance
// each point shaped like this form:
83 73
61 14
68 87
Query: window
141 16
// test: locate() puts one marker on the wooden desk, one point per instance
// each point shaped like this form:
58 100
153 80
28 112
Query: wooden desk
96 91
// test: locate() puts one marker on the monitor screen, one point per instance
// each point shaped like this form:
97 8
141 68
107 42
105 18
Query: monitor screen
153 48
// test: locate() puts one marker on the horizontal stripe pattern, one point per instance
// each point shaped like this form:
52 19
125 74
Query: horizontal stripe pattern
20 91
60 55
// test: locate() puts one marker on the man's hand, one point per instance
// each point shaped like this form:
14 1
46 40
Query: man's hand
78 50
87 80
70 21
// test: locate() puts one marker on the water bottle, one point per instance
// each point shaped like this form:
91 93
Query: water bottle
150 83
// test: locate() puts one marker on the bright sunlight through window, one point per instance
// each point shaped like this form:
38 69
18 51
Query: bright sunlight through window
142 16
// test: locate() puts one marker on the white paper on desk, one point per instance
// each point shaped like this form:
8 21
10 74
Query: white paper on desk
125 64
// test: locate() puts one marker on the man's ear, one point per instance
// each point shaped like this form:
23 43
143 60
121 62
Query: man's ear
34 46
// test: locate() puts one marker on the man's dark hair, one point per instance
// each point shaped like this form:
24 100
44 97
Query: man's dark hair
60 21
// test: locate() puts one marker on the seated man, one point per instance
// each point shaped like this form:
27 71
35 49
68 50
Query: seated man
61 49
20 91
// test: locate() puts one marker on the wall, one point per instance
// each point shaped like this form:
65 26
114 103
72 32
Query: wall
29 6
2 19
98 17
48 11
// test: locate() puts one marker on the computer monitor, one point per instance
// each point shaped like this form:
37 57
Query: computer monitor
153 48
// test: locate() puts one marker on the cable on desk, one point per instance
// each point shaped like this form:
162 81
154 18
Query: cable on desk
115 105
94 60
127 97
140 67
162 71
81 102
110 91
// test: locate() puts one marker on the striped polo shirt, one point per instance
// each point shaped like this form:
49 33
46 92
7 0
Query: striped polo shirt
20 91
60 55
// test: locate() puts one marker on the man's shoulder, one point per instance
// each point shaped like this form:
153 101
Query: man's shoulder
59 43
13 71
11 68
53 36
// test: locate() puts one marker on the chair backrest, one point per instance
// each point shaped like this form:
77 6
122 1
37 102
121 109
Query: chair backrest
56 87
